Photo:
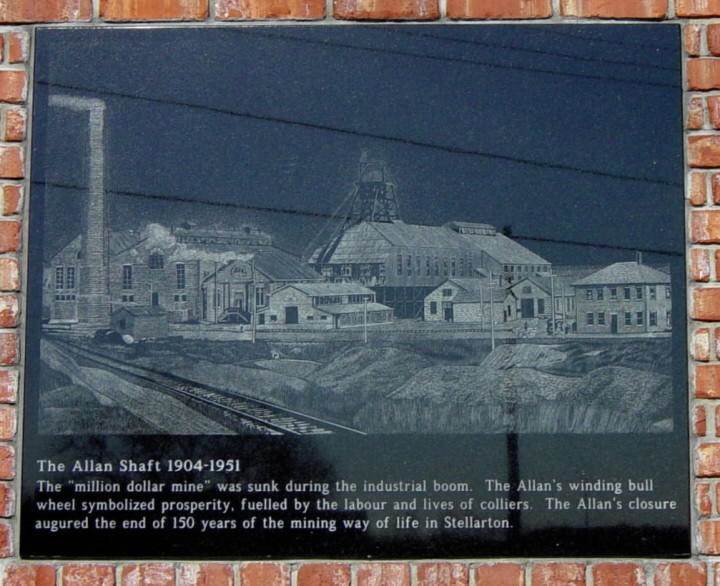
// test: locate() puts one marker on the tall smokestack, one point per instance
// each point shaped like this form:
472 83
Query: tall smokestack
93 282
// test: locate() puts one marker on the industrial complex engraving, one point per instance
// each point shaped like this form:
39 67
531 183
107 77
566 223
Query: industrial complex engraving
380 325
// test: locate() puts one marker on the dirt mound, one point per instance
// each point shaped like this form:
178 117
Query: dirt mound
524 356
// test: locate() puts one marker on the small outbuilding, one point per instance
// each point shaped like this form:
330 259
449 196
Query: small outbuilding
141 322
465 300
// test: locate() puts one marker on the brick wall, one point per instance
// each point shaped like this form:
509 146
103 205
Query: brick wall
701 21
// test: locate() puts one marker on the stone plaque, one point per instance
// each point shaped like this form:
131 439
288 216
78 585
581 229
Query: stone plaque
356 291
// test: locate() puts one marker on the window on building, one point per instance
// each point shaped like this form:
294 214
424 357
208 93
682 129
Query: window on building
528 291
433 308
428 271
653 292
601 318
588 294
408 264
462 267
273 318
418 267
653 318
399 264
590 319
260 296
445 267
628 318
180 273
156 261
127 277
218 299
128 298
437 266
541 306
346 271
613 292
640 318
639 292
70 278
626 292
667 292
59 277
447 292
600 292
668 318
453 267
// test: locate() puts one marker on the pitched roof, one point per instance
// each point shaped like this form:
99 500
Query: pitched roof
371 242
625 273
143 310
321 289
473 290
279 265
337 308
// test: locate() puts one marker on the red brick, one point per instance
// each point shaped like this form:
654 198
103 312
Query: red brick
258 9
680 574
706 304
143 10
17 47
7 500
13 86
10 233
692 40
322 575
148 575
257 574
9 311
609 574
703 503
704 151
386 9
205 575
701 344
557 574
8 386
713 39
8 422
383 575
713 103
6 540
707 460
88 575
8 348
707 381
12 163
705 227
12 199
697 188
9 274
7 462
697 7
17 11
499 9
709 537
703 74
699 421
695 114
644 9
15 125
700 264
499 575
27 575
442 574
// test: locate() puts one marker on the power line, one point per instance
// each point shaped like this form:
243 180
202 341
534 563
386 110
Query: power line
323 215
357 133
537 51
533 70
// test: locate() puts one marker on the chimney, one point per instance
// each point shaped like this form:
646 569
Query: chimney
638 257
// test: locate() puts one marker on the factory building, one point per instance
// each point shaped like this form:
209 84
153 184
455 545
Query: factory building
533 297
404 263
183 271
323 305
624 298
465 300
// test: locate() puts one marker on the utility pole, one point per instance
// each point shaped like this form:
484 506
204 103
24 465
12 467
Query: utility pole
552 301
492 313
365 315
253 315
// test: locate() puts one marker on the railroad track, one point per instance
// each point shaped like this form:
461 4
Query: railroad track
268 417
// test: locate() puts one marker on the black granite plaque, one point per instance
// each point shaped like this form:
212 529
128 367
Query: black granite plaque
356 291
